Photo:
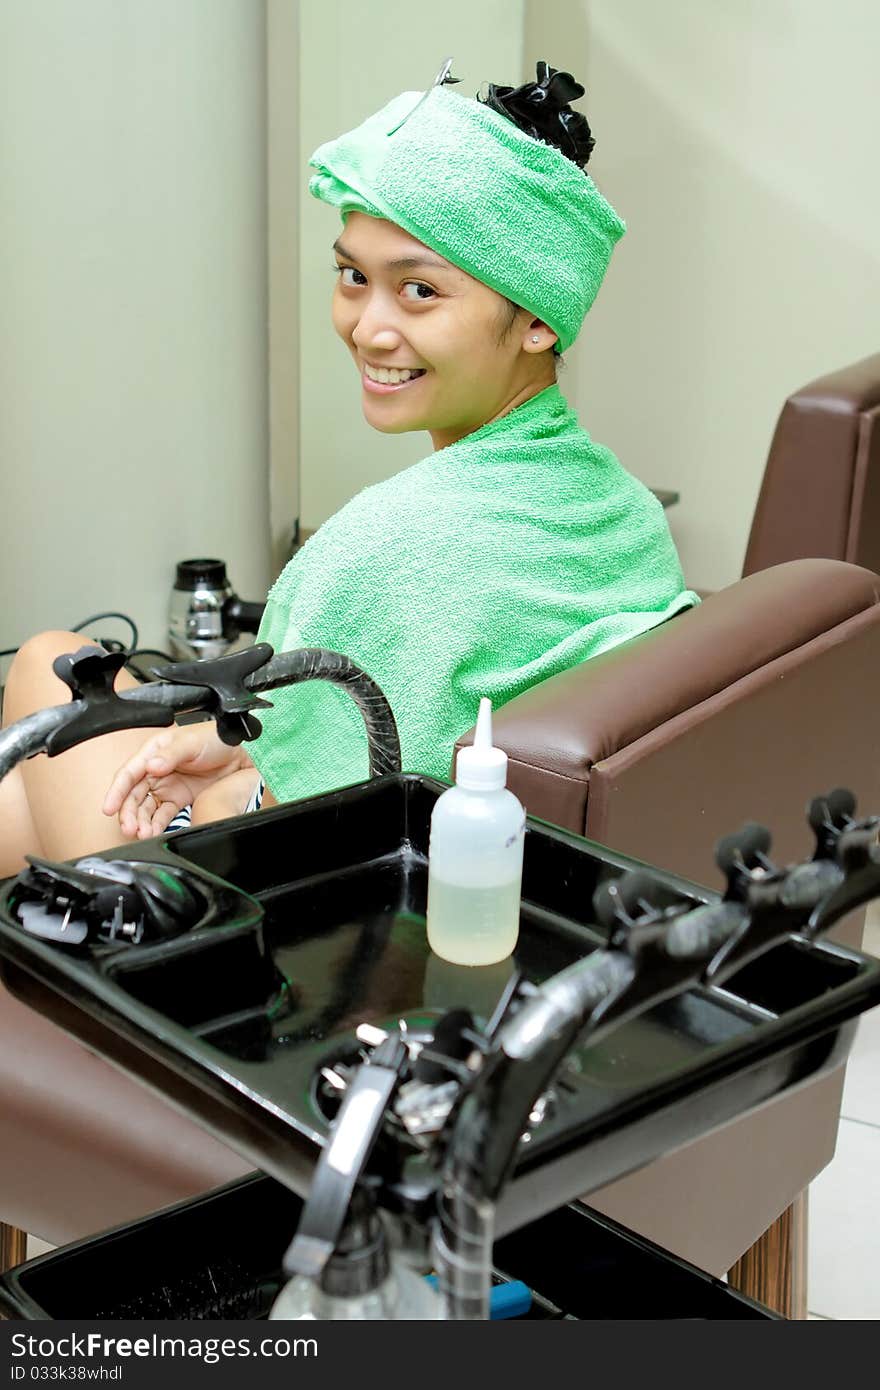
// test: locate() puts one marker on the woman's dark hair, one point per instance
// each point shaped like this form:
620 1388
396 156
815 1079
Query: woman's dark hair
541 109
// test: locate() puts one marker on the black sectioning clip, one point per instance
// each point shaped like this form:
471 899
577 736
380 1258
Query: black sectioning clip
848 855
754 889
107 901
637 921
89 675
805 899
231 700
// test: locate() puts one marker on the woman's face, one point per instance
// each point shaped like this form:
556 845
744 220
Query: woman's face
400 307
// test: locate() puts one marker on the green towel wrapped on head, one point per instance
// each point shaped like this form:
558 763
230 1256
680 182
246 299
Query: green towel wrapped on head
493 564
513 212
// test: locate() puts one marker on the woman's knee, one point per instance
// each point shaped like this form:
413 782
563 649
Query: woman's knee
31 682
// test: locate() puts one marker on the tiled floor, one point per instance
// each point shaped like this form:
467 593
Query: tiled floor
845 1199
844 1216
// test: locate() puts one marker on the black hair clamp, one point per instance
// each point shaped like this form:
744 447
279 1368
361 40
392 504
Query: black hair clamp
89 675
541 109
225 679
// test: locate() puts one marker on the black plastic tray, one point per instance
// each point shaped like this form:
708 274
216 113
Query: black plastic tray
228 1248
322 928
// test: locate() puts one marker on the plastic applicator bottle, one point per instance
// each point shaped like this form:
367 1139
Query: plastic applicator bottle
475 857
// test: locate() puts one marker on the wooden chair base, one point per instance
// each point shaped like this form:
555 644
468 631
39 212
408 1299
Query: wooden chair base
13 1247
774 1270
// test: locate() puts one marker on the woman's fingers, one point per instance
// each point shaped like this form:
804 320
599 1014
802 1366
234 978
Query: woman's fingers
133 806
137 815
131 809
160 756
133 772
127 777
164 816
154 814
148 790
144 818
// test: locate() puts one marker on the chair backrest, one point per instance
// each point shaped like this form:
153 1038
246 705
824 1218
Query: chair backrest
821 490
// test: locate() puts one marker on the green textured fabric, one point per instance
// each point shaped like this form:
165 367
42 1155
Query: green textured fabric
494 563
464 180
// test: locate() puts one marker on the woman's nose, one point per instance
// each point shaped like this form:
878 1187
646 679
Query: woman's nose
375 329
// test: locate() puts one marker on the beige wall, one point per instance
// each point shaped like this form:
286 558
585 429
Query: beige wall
283 213
739 141
133 411
354 58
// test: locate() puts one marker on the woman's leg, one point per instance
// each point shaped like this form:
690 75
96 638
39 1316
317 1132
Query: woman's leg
52 806
18 834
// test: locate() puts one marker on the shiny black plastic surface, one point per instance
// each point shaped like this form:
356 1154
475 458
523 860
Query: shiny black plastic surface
322 929
227 1249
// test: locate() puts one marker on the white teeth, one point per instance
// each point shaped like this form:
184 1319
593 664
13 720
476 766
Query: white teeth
389 376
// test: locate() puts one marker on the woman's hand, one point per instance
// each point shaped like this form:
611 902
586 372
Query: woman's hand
168 773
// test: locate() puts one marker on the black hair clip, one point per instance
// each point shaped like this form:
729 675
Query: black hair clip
225 678
89 675
540 109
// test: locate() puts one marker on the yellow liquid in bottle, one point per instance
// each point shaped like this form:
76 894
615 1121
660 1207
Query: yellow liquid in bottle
470 925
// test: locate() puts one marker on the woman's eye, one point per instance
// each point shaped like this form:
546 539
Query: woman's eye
420 291
350 277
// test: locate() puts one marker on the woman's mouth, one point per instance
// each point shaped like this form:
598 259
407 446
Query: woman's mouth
382 380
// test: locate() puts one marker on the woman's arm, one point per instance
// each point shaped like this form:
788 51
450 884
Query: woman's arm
228 796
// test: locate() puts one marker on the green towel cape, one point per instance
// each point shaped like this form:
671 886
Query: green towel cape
494 563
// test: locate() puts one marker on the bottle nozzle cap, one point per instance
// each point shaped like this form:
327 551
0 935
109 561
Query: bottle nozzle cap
481 767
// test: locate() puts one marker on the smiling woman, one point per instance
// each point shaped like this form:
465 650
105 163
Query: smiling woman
474 243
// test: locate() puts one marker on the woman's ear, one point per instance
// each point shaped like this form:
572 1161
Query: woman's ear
539 337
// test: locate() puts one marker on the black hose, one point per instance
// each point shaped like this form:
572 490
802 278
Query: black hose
317 663
30 735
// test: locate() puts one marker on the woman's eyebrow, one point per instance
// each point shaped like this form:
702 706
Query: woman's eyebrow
401 262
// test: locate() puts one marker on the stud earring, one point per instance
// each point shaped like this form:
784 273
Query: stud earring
535 338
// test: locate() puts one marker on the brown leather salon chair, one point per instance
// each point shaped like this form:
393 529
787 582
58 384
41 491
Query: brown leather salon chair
820 495
740 709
